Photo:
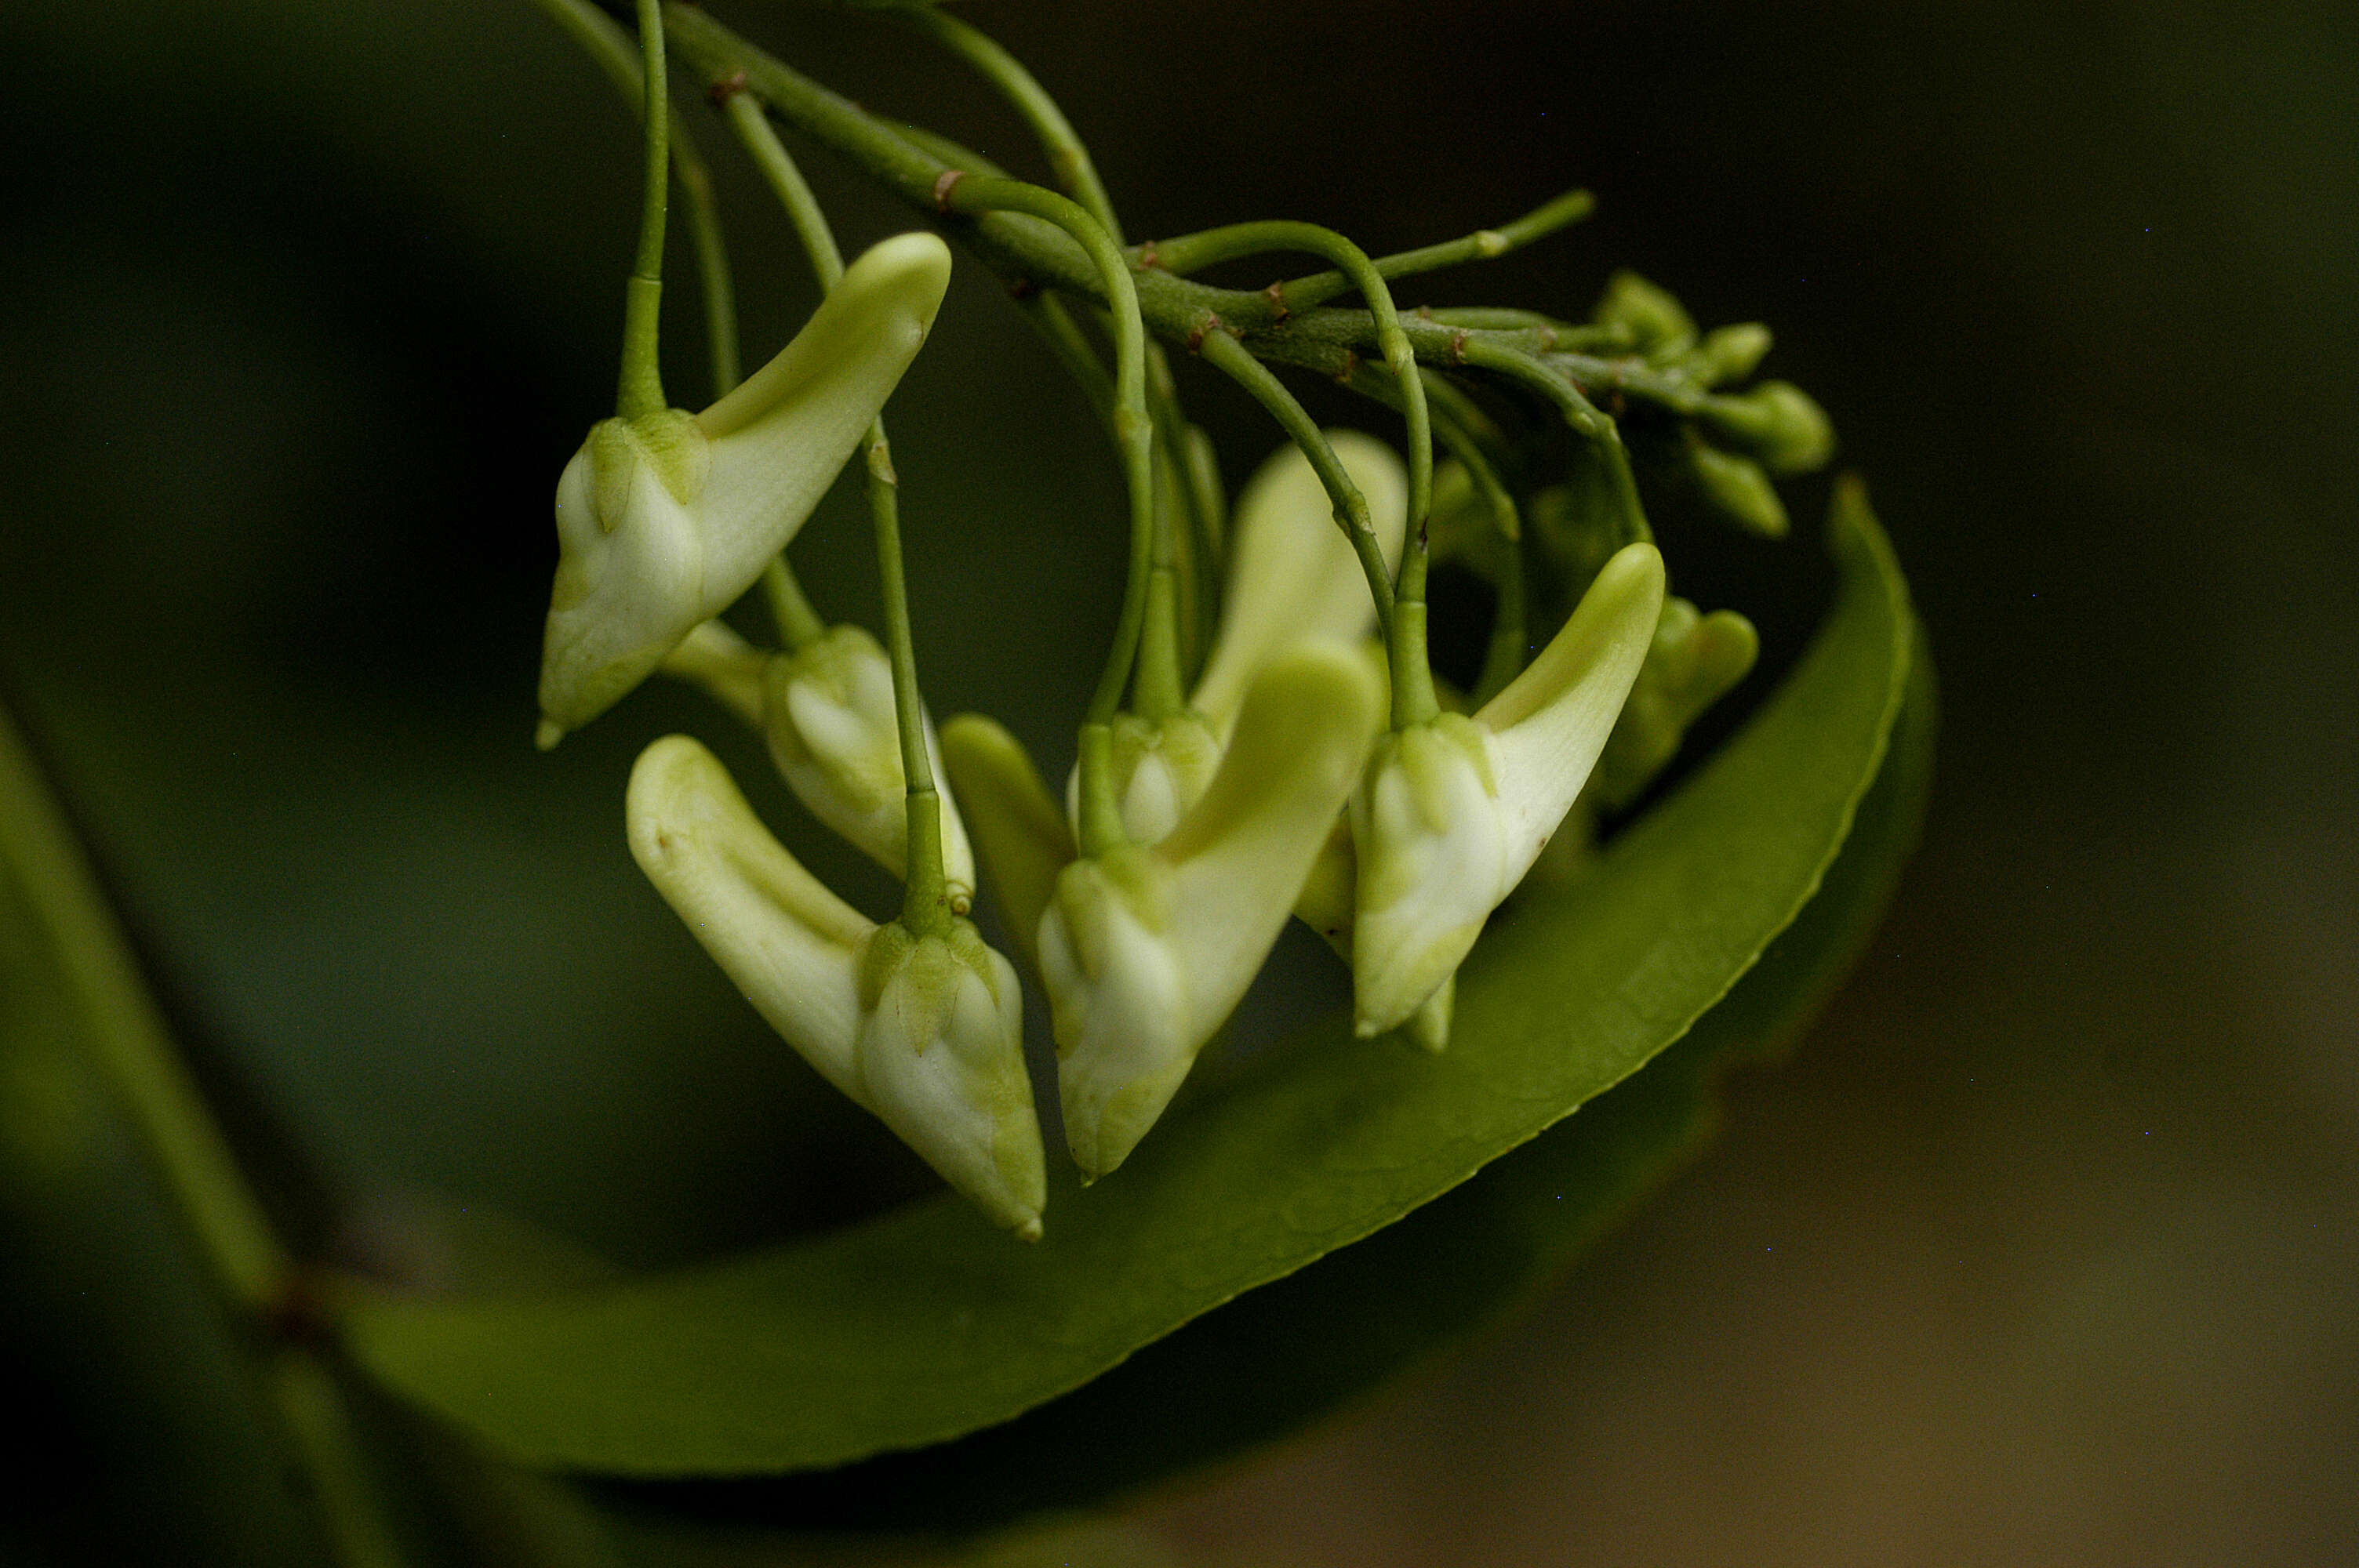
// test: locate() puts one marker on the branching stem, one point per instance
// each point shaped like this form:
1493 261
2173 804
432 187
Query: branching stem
1181 256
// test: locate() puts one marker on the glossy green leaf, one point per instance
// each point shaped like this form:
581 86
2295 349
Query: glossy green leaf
1281 1357
925 1325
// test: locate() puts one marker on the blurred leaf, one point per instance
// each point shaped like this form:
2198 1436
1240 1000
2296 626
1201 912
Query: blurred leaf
924 1325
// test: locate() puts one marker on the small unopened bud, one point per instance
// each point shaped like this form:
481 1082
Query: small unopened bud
1160 769
1431 841
924 1031
828 713
1453 813
940 1057
1655 323
1145 951
1695 661
1732 354
1736 488
1776 423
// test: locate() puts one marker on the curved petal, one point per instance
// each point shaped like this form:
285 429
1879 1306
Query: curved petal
727 667
1551 722
779 439
1021 834
791 945
829 715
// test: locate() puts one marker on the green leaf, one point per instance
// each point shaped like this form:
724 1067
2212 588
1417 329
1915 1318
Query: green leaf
924 1325
1281 1357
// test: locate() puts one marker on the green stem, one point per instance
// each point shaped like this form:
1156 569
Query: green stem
1510 644
135 1052
1301 293
1502 660
925 900
615 53
1583 416
1225 355
1076 174
1215 245
799 624
1063 335
1463 427
134 1055
1552 332
303 1388
1068 159
1134 432
1038 256
640 388
786 182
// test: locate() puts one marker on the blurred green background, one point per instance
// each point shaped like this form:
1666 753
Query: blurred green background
2040 1251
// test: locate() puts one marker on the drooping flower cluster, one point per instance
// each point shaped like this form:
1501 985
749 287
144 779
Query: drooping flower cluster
1315 769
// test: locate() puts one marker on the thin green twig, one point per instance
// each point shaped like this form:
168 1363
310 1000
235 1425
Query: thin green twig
1228 355
1238 240
926 908
1134 431
638 388
1182 255
618 57
1076 174
1585 418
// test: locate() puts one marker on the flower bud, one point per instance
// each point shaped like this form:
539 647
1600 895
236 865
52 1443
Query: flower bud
1736 488
828 712
1654 320
1453 811
1145 951
1160 770
924 1031
940 1057
1693 662
1777 423
663 521
1431 841
1732 354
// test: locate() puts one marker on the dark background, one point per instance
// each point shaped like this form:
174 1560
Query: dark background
2040 1251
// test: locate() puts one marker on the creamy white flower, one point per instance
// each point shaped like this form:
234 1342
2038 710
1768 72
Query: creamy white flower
1145 951
1453 813
926 1032
663 521
941 1058
828 713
